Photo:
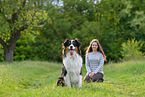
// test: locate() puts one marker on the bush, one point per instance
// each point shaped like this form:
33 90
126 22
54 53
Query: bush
131 50
23 47
1 54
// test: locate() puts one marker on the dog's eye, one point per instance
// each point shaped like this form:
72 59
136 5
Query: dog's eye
73 42
69 43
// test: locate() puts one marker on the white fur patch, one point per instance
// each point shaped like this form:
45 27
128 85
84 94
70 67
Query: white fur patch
73 65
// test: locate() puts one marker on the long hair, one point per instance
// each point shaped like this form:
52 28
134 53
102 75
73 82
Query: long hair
89 48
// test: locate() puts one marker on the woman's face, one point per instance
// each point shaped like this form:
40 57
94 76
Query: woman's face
94 46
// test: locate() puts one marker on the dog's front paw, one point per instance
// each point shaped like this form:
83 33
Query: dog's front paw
60 81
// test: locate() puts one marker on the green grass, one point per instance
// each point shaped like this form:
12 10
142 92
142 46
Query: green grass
38 79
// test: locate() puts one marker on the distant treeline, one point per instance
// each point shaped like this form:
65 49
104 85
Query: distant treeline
112 22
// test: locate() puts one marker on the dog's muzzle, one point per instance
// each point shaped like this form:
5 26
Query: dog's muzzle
71 49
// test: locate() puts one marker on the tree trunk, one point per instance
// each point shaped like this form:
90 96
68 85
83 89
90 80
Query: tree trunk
9 47
9 51
9 55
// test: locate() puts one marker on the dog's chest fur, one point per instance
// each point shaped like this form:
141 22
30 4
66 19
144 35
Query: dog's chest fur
73 65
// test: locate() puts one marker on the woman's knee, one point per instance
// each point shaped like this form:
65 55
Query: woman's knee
97 77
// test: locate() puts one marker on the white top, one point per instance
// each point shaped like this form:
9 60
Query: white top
94 62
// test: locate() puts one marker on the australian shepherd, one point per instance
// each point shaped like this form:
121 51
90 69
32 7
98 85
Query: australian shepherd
72 64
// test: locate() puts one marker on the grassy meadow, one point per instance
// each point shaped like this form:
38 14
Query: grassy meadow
38 79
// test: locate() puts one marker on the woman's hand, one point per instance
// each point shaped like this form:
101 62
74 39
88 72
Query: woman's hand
91 74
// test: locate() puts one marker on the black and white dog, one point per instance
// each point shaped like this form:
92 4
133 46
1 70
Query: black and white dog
72 64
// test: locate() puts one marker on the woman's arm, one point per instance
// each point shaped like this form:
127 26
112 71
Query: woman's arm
87 64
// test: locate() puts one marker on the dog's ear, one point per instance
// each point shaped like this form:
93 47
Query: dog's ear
77 42
66 42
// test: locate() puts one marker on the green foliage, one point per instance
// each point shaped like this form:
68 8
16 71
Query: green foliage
46 49
15 17
30 13
88 31
1 54
23 49
35 78
139 20
111 22
131 50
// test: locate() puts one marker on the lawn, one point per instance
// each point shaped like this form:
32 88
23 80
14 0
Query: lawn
38 79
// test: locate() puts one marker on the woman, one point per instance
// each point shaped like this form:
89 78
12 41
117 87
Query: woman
94 62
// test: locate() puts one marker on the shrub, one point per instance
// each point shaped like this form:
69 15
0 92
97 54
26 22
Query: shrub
23 47
131 50
1 54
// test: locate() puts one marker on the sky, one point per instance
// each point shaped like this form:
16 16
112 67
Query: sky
61 2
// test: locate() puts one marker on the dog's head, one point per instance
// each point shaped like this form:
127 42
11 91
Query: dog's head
71 46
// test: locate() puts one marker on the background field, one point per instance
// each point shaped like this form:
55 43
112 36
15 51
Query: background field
38 79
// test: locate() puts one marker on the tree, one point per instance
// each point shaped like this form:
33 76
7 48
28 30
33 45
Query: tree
17 16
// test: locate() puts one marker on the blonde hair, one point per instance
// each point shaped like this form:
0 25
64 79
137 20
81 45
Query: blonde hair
89 48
